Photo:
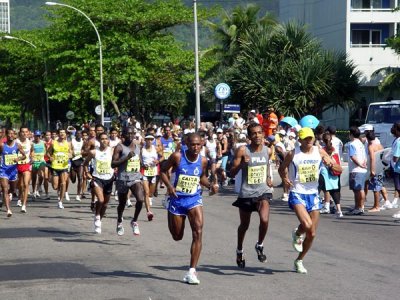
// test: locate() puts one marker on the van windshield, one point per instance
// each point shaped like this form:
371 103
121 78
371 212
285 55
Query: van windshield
383 113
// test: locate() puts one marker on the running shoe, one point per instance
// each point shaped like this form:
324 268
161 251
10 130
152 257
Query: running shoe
19 203
9 213
129 203
297 241
285 197
396 215
191 278
97 225
339 215
150 216
67 196
387 205
324 210
240 261
47 197
355 212
260 253
120 229
23 208
34 194
116 197
135 228
37 194
60 205
78 198
298 266
395 203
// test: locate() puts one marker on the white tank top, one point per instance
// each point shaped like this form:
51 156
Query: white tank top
304 171
77 148
114 143
26 146
148 157
212 147
102 164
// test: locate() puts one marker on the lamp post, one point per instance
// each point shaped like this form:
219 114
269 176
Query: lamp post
196 50
100 52
9 37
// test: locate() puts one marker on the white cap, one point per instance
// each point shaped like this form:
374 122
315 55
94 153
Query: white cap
253 111
282 132
292 134
219 130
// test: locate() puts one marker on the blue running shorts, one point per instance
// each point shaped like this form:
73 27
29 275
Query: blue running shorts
181 206
309 201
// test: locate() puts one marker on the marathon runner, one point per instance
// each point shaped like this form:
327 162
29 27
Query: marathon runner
38 151
24 168
77 163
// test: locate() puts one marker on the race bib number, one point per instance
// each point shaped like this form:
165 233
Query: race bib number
25 161
9 159
257 174
38 157
150 172
77 155
187 184
61 159
103 167
308 173
167 154
133 165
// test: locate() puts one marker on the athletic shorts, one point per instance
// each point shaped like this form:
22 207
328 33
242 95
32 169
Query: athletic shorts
136 186
396 179
357 181
309 201
24 168
9 173
55 172
376 183
152 179
75 164
181 206
37 165
105 185
251 204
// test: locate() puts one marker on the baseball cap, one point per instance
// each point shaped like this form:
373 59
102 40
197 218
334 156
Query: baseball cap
219 130
306 132
38 132
149 136
282 132
271 138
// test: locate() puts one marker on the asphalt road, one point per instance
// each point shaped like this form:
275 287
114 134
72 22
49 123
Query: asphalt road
50 253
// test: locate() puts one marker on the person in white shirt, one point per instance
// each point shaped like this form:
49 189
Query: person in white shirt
336 142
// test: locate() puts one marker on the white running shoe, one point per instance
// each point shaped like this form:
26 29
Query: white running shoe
60 205
78 198
387 205
97 225
191 278
285 197
298 266
395 203
116 197
339 215
37 194
67 196
129 203
34 194
297 241
135 228
325 210
397 215
19 203
120 229
23 208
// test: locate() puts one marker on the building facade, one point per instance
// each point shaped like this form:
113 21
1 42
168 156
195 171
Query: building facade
357 27
5 16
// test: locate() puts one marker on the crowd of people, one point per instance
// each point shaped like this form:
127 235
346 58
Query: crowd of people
133 162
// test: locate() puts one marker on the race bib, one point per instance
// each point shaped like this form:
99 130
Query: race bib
167 154
60 161
187 184
22 162
133 165
9 159
150 171
308 173
38 157
257 174
103 167
77 155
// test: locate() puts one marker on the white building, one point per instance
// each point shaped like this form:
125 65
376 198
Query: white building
4 16
358 27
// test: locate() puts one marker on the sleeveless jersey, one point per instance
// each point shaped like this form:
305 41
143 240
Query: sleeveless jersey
9 154
148 157
26 146
212 147
129 170
77 149
60 155
102 164
39 150
254 175
187 177
304 171
168 146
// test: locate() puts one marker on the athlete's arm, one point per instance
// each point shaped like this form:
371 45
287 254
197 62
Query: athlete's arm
70 150
238 161
116 160
284 169
91 154
22 152
160 154
171 163
31 154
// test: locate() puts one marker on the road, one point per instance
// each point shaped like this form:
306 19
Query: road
53 254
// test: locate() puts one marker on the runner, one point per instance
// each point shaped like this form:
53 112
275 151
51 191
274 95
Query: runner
11 153
303 166
77 163
151 157
126 158
38 151
168 145
59 153
47 141
185 197
102 178
255 192
24 168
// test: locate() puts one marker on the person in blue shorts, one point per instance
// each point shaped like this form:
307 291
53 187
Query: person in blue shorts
300 172
185 197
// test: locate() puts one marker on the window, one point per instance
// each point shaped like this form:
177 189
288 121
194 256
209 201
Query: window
360 37
376 37
366 37
361 4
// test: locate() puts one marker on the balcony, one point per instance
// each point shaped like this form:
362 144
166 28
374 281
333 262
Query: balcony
366 35
373 5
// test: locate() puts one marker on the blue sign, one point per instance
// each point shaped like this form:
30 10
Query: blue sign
222 91
232 108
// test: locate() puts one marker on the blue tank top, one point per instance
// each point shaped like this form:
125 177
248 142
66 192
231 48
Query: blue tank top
167 143
8 155
187 179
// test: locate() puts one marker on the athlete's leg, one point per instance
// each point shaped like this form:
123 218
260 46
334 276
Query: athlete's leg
146 187
6 197
263 212
245 217
63 179
138 192
26 179
176 226
195 216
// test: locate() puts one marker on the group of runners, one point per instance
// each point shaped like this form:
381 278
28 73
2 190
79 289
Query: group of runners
135 163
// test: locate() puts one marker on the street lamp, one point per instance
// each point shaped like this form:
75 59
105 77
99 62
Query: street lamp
100 51
196 50
9 37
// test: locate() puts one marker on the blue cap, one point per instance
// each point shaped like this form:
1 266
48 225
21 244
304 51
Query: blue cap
271 138
38 132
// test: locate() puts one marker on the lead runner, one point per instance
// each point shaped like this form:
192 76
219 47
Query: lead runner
185 197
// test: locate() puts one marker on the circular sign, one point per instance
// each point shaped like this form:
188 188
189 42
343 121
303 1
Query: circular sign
97 110
70 115
222 91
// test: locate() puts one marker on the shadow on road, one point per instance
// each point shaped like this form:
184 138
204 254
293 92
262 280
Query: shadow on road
133 275
25 232
102 242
